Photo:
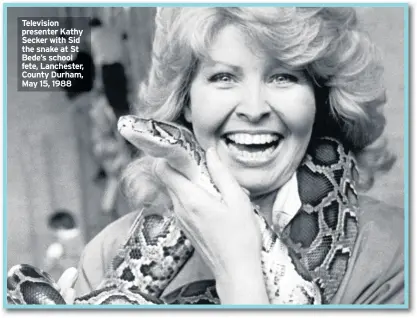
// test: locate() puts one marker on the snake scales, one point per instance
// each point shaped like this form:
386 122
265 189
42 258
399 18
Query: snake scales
303 266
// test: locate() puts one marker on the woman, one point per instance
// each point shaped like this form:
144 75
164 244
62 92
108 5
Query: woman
238 77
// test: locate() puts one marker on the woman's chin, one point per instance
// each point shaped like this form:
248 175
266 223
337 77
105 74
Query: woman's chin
255 185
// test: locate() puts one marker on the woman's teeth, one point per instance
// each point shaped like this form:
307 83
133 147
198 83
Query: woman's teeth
249 147
248 139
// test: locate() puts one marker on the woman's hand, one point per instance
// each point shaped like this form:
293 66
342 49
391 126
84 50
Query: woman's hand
224 232
65 284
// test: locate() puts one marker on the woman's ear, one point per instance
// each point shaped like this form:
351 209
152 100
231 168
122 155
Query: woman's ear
187 113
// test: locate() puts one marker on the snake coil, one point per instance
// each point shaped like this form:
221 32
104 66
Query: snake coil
303 266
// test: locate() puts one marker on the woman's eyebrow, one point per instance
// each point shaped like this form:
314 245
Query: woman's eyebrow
277 64
213 63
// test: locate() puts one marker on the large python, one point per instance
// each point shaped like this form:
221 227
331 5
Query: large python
303 266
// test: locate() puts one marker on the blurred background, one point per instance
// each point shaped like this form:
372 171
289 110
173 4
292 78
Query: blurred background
61 190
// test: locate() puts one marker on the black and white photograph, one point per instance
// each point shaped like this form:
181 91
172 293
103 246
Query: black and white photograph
206 156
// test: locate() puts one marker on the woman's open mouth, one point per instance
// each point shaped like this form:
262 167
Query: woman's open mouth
252 148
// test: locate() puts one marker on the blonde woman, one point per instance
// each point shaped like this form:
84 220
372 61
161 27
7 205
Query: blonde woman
290 74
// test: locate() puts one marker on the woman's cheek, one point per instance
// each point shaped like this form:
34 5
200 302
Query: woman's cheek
300 115
225 99
214 107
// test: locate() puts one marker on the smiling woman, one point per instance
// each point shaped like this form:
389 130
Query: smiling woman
241 96
284 101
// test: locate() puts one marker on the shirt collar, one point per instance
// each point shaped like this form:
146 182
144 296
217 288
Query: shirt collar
286 204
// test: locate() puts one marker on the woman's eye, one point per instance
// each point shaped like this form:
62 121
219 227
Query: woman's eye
222 78
283 79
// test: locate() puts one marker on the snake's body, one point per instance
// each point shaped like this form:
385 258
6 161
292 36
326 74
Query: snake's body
304 266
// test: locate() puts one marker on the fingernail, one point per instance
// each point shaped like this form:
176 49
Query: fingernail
74 270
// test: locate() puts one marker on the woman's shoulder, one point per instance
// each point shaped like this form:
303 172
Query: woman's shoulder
116 231
375 274
100 251
111 237
381 235
383 219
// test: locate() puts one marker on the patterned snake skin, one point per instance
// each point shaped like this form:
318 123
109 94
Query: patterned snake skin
304 266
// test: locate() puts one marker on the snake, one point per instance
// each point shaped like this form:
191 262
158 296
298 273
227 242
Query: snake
303 265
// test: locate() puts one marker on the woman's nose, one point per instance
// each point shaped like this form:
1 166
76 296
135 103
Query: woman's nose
253 105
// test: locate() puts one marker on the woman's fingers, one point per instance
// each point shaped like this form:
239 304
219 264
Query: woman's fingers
224 180
65 284
187 192
168 176
69 296
180 211
229 188
67 279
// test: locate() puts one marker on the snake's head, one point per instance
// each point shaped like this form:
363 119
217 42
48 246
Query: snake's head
161 139
149 128
154 137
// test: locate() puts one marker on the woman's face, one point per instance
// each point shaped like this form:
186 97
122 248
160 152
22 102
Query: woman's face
256 113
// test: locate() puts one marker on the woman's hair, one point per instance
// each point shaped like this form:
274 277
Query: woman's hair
327 43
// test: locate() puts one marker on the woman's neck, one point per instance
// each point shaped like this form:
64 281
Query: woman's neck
265 203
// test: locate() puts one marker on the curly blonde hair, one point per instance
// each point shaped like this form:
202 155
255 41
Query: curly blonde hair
327 43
